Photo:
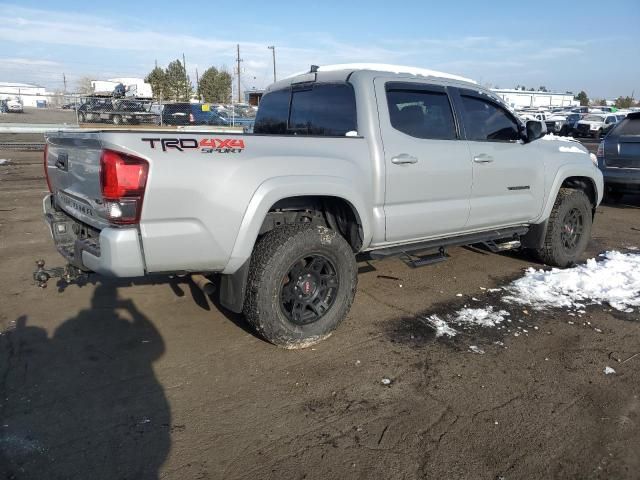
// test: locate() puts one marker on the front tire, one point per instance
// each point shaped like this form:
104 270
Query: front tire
302 281
568 230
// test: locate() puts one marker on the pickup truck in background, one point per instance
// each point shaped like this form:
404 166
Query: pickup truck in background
117 111
344 160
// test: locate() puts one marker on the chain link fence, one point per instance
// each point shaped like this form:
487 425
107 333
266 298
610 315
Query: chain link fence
27 112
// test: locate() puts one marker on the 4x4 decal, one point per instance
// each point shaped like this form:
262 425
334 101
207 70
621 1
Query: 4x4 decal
205 145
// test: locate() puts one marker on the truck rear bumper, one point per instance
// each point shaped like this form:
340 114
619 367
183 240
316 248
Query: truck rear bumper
113 252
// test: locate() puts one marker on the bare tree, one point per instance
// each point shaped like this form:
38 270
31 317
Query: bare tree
84 85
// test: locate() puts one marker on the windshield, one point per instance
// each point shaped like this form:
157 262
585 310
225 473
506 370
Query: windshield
593 118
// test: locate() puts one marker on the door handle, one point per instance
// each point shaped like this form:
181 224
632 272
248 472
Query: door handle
403 158
483 158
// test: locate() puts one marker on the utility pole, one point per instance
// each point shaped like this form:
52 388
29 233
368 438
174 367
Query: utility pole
238 59
186 78
273 49
198 84
64 79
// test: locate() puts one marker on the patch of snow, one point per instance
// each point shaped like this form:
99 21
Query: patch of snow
571 149
384 67
386 381
476 349
614 280
483 317
4 161
551 136
609 371
441 327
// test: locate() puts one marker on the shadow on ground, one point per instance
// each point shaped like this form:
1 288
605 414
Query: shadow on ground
85 402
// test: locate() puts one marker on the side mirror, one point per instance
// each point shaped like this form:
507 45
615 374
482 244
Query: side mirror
535 130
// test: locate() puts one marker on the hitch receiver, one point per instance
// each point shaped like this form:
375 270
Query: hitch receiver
68 273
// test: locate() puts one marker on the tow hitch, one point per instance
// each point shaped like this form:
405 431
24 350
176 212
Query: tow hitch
68 274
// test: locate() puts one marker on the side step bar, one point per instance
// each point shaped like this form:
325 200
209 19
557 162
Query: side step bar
415 261
439 244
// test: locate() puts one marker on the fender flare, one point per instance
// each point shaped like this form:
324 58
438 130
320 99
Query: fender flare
278 188
567 171
538 229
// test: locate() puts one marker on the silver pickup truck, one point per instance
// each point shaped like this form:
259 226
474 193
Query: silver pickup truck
343 160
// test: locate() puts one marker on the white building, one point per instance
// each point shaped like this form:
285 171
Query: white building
29 95
523 98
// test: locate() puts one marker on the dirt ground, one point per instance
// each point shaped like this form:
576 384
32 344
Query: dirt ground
114 380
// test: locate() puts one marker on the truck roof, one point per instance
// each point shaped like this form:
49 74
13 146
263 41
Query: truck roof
340 72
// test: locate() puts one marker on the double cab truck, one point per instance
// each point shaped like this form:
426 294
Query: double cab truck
368 160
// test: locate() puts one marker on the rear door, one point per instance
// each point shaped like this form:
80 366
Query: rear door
508 175
428 168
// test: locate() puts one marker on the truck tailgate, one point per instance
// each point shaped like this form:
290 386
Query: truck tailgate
73 169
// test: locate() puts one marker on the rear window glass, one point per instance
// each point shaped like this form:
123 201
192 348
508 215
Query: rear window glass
629 126
320 109
177 107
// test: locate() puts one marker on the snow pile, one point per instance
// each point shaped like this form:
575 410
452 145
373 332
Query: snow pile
4 161
614 280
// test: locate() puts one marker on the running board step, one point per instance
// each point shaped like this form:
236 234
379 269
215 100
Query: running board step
468 239
415 261
497 247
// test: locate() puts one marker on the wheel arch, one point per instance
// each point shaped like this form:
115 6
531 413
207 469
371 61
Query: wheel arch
279 191
565 178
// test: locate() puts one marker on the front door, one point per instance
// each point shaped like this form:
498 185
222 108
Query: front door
428 167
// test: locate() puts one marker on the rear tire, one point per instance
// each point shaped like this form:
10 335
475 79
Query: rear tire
302 281
568 230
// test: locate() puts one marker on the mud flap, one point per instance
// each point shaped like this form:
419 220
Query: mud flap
534 238
233 288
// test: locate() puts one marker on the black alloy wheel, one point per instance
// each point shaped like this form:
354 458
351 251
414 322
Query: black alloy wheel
572 229
309 289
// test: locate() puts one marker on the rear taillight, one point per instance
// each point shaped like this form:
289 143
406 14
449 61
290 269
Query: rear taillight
123 179
46 166
600 152
191 118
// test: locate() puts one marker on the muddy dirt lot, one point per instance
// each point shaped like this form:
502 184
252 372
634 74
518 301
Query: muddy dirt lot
152 380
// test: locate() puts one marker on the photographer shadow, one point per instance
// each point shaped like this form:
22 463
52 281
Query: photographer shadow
85 402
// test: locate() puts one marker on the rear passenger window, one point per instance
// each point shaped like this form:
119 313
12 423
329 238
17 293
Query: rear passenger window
421 114
324 109
486 121
314 109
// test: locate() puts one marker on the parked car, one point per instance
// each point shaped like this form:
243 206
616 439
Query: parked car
11 105
70 106
562 123
422 161
191 114
594 125
609 126
619 158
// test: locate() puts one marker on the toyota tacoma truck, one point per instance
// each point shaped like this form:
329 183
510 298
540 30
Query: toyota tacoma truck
344 160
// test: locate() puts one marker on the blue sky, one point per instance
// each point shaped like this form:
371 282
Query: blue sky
590 45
